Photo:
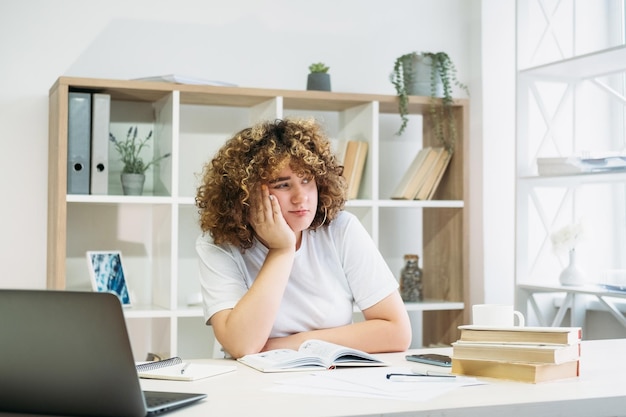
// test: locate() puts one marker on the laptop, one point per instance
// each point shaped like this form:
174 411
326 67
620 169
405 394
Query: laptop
68 353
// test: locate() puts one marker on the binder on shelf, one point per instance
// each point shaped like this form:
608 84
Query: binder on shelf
79 143
101 116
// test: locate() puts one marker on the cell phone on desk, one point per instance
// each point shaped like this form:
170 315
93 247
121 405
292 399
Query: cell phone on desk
430 359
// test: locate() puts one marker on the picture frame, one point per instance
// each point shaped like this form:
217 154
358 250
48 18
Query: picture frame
106 270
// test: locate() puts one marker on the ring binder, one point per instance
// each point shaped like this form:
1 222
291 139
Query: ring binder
151 366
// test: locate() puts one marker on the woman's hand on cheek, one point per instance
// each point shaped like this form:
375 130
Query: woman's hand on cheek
268 222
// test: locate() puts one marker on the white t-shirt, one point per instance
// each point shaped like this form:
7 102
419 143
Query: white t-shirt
334 267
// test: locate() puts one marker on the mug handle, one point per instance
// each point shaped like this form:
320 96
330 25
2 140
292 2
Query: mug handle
520 318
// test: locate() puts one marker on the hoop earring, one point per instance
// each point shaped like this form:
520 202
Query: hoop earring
324 220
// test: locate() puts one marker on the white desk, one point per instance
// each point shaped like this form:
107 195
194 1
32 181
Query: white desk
577 300
599 391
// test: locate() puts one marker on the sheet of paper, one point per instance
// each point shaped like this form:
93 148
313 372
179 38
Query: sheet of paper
370 383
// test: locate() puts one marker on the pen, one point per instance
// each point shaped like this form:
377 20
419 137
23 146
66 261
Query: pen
185 366
432 373
428 374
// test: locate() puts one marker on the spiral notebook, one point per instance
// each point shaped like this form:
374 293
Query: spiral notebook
70 355
177 370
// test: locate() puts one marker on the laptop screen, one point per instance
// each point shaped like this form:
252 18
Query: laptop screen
70 355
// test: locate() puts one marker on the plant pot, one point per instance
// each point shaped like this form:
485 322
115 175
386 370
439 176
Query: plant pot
318 81
417 81
132 184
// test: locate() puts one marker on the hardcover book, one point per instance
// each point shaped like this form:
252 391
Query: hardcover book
513 352
555 335
312 354
429 187
354 165
416 174
516 371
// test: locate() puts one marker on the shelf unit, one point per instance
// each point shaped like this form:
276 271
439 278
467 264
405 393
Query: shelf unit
570 102
156 232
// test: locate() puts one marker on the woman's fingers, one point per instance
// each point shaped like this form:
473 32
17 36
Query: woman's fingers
264 207
266 203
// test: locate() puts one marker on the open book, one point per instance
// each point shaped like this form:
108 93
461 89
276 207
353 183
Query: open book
312 354
177 370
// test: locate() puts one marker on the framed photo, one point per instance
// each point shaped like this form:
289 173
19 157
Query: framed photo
107 274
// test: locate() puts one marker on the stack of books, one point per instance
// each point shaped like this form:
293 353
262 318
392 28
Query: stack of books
421 179
526 354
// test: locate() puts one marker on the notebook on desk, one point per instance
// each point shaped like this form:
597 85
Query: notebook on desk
68 353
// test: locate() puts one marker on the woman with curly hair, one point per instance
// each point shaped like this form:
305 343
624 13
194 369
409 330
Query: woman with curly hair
280 260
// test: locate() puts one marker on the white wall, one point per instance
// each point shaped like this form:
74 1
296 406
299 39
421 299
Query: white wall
497 97
249 42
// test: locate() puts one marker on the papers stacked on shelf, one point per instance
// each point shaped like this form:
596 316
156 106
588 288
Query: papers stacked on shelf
579 165
184 79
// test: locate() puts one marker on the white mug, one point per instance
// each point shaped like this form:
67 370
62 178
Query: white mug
496 315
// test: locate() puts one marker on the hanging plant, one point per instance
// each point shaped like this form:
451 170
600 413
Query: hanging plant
442 77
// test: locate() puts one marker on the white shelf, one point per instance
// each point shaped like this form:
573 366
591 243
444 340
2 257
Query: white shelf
146 312
156 233
421 204
571 106
585 178
595 64
434 305
118 199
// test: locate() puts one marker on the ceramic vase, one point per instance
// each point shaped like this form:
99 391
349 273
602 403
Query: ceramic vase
132 184
572 274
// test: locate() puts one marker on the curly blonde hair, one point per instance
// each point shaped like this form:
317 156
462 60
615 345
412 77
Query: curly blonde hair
255 156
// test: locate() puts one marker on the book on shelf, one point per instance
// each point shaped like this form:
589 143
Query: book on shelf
581 165
416 174
530 334
176 370
402 190
515 352
516 371
312 354
355 155
428 189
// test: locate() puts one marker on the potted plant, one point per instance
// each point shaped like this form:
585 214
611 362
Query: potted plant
431 74
133 174
318 79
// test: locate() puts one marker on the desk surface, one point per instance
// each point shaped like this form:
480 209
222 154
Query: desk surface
599 391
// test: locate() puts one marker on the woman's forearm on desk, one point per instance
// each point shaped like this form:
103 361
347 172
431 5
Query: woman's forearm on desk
386 329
